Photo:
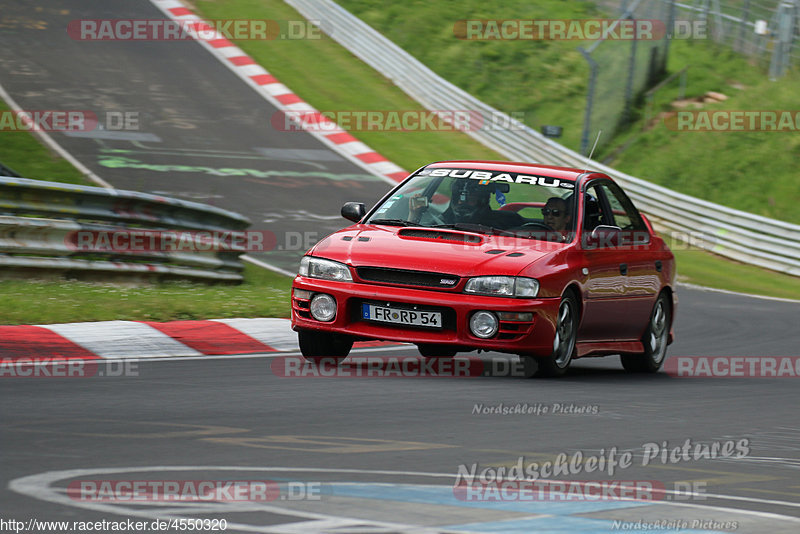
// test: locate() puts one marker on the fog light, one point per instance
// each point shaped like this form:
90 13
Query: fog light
483 324
515 316
323 307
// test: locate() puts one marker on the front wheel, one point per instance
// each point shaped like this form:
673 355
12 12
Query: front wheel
564 341
317 347
655 340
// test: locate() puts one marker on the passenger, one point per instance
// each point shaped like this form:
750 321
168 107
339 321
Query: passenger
556 215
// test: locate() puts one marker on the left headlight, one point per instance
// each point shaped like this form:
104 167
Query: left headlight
503 286
324 269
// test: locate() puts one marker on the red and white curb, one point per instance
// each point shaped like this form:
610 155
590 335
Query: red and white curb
141 340
281 96
134 339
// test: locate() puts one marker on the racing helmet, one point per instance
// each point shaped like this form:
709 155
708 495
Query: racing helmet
468 197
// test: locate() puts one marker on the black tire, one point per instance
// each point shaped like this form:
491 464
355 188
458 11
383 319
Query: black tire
564 342
654 340
430 350
318 347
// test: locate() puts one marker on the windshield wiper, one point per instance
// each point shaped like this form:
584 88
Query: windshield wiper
393 222
478 228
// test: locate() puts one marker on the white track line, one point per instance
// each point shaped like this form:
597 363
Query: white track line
53 145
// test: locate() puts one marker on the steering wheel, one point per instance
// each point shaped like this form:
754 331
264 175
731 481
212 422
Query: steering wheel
436 219
538 224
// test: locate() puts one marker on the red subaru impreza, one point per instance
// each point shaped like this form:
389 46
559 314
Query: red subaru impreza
549 263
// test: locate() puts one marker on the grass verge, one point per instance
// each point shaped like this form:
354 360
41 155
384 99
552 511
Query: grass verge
22 152
263 294
706 269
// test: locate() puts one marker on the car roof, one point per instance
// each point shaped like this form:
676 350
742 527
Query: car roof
551 171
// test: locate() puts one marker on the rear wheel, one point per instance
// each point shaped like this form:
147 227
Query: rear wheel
654 340
430 350
317 347
564 341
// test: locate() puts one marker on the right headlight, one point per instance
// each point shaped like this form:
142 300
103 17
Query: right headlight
325 269
503 286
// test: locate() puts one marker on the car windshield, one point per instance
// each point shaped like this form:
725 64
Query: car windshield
483 201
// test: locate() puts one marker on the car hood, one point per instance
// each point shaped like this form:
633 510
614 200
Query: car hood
429 249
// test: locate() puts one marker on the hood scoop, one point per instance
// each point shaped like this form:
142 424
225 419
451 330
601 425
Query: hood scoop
440 235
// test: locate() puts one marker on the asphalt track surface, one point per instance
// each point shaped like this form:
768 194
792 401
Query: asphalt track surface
383 450
372 439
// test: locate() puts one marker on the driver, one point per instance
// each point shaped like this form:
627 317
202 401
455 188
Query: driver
469 203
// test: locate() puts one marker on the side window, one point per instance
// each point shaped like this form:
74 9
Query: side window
623 212
618 214
619 211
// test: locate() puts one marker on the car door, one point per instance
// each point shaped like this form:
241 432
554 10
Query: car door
637 262
641 256
612 306
604 285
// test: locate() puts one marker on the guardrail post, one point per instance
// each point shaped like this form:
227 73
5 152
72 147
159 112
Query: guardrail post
8 171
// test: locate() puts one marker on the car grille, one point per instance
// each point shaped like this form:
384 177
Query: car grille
408 278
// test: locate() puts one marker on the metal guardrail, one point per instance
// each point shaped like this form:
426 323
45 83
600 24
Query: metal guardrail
732 233
69 228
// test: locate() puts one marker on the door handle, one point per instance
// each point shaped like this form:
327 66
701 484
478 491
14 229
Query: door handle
623 268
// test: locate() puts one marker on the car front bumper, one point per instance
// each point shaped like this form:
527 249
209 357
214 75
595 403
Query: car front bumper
520 337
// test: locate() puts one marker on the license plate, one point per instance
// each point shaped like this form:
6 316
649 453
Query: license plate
398 316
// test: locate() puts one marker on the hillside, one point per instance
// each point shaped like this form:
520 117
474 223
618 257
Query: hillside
547 82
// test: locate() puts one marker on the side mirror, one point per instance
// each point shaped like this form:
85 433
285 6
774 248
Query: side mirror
603 236
354 211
